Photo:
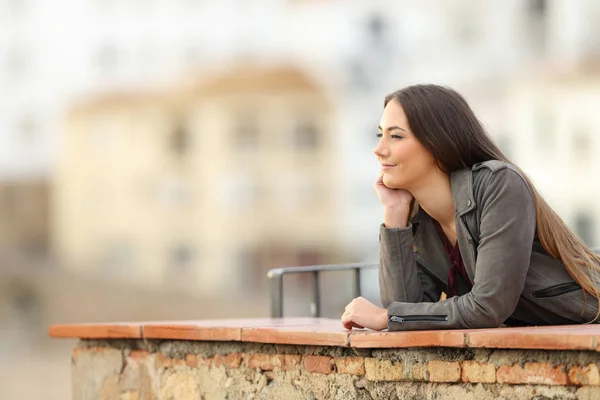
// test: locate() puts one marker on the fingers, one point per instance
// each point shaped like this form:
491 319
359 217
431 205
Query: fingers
379 180
348 316
347 321
349 324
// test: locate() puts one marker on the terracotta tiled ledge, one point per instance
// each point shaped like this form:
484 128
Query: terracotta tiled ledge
306 358
329 332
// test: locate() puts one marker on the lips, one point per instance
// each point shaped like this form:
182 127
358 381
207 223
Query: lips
385 166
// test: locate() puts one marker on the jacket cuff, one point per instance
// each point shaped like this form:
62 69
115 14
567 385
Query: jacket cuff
420 316
398 235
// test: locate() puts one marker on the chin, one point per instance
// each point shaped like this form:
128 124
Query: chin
392 183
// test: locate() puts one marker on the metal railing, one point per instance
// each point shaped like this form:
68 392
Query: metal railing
275 277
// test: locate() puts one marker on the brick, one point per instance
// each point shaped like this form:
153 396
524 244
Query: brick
191 360
139 356
269 362
231 360
444 371
167 362
371 339
350 365
416 372
289 362
588 375
569 337
383 370
318 364
477 372
98 331
265 362
533 372
78 350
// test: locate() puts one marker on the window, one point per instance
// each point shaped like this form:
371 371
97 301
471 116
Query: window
376 30
306 135
238 191
118 257
538 8
107 58
246 133
581 144
180 139
584 228
182 255
181 267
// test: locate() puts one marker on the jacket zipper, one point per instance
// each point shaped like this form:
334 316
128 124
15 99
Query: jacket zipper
557 290
417 318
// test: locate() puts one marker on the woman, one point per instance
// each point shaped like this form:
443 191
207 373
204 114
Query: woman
459 218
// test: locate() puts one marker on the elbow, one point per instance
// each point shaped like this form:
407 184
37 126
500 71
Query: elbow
487 316
488 320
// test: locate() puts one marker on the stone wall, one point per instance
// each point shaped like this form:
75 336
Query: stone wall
169 370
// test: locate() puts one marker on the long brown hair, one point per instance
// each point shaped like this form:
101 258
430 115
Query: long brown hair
443 122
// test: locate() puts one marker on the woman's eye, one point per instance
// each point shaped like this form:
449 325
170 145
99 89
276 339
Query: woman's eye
379 135
396 137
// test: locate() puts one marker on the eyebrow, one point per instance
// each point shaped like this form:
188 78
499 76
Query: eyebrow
393 128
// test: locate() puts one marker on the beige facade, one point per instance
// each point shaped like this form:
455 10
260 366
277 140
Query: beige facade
209 185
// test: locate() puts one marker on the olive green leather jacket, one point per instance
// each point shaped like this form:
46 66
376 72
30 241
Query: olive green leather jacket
514 280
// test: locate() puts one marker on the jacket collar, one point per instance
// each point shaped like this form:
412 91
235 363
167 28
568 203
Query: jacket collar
461 182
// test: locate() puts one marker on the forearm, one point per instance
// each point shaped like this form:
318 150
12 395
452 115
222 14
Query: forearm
398 277
396 216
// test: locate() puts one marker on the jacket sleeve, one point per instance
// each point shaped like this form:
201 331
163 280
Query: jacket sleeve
507 230
400 277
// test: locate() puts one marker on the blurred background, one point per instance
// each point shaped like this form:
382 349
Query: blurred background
158 157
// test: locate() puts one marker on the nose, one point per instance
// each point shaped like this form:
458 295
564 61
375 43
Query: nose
381 150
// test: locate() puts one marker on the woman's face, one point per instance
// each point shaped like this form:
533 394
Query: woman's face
405 163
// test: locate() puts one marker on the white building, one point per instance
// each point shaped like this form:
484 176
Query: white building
552 121
52 54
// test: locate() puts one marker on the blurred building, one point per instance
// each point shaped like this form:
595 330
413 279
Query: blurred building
207 186
362 50
552 122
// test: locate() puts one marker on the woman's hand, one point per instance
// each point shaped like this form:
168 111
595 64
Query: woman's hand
396 204
361 313
391 197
